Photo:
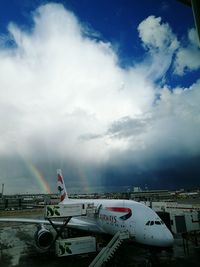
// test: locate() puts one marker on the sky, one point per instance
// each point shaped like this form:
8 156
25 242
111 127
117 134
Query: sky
109 91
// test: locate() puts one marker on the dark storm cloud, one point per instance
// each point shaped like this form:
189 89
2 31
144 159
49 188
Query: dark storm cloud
169 173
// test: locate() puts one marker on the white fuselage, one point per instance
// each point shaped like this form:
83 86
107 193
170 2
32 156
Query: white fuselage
142 223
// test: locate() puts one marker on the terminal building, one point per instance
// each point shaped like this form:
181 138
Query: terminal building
149 195
180 218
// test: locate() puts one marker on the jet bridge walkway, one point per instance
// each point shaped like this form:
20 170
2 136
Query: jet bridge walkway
108 252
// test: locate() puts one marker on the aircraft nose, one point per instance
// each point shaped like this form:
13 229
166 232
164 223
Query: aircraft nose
167 240
164 239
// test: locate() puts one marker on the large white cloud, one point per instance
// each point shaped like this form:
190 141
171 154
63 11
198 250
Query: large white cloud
59 84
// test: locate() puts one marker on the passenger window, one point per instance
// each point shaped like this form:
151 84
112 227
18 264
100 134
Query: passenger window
148 223
157 222
152 223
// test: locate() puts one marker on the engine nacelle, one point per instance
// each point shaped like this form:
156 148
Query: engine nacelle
43 238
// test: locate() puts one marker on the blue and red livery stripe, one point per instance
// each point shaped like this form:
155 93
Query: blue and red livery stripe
121 209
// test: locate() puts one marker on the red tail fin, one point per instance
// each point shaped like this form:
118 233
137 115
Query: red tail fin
61 185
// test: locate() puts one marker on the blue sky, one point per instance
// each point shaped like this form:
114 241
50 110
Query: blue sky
107 90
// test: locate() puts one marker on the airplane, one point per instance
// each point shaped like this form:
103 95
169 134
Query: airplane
142 223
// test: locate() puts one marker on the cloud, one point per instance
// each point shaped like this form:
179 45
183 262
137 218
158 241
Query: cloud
160 43
176 122
127 127
62 82
156 35
65 100
172 125
188 57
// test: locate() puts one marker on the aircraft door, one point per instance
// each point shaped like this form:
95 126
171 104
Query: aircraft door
131 225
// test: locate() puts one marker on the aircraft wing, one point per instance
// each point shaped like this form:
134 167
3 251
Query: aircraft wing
76 223
24 220
84 224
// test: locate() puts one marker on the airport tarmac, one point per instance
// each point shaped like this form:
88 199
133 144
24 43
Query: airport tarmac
17 249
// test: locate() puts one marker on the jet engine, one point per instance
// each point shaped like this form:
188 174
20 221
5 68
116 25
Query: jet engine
43 238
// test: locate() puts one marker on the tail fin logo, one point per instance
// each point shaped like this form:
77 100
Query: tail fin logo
61 186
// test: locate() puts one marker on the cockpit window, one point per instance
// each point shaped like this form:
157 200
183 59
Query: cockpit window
154 222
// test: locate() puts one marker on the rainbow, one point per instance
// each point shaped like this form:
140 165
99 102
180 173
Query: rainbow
39 177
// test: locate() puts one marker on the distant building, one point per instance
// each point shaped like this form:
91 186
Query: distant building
137 189
150 194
